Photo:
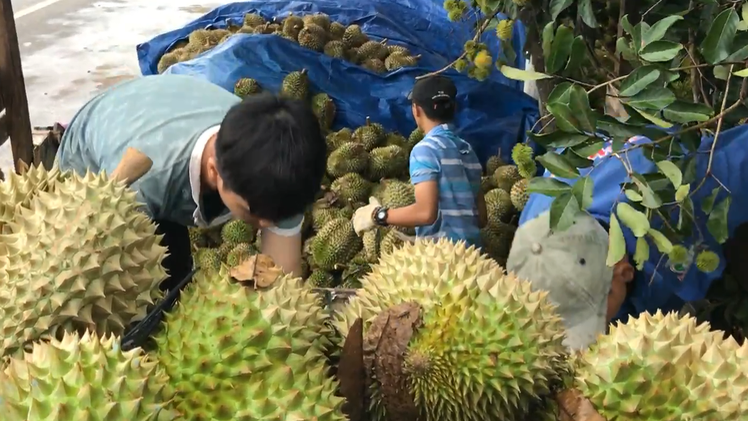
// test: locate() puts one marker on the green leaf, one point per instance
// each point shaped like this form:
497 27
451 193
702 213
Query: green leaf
558 139
637 222
547 186
560 94
660 51
564 211
659 29
671 171
708 203
740 44
558 165
584 8
636 36
577 55
717 222
653 98
589 147
641 255
638 80
626 25
560 49
682 192
741 73
633 195
582 191
654 119
616 242
686 213
576 160
718 42
649 197
565 119
548 34
580 107
663 244
623 47
687 112
522 75
558 6
744 11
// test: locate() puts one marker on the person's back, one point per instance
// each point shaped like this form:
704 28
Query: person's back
458 178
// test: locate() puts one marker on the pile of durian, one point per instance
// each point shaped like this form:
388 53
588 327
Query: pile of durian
79 262
314 31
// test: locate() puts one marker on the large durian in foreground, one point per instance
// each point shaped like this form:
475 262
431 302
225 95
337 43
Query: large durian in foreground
18 189
84 378
489 346
235 353
665 367
80 256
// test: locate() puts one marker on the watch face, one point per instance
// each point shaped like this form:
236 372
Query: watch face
381 215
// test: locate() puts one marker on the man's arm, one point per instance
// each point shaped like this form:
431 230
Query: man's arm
423 212
283 244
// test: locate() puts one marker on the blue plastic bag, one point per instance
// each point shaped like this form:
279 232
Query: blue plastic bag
659 287
491 116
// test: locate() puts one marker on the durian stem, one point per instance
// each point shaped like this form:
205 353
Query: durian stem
134 164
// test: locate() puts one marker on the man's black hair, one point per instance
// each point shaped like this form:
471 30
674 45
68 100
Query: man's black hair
437 97
270 151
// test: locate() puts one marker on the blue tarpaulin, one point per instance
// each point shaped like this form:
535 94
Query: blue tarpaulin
493 115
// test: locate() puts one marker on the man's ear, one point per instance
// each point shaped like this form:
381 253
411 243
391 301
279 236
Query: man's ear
211 175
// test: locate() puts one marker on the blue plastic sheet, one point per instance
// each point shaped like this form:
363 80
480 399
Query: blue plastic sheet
657 286
493 115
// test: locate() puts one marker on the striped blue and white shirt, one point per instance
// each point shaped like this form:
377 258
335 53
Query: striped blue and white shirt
444 157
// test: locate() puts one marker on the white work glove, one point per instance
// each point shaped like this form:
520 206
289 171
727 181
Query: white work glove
363 219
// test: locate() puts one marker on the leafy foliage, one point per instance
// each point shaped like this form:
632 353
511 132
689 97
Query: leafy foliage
667 70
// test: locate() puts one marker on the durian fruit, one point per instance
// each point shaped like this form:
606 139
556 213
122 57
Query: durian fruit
370 135
337 30
167 60
416 136
313 36
505 177
246 86
237 231
224 249
335 139
292 25
371 240
487 184
397 194
85 378
493 164
351 187
519 194
200 37
397 60
335 48
320 279
320 19
351 54
349 157
354 271
522 155
387 162
324 108
374 64
396 139
208 259
499 205
17 190
296 85
665 367
81 256
335 244
489 347
239 254
323 212
236 353
253 19
354 37
707 261
390 242
374 49
497 239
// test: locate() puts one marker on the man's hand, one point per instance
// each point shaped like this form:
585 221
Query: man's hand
363 219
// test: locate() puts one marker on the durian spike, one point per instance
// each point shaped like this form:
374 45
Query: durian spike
134 164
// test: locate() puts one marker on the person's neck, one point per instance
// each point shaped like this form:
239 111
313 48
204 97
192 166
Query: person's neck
428 125
206 183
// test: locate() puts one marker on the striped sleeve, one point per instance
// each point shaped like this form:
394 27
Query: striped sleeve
424 164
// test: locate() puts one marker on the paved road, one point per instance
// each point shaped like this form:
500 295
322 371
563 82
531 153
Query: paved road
71 49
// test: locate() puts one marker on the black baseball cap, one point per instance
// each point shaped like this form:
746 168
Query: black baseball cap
434 92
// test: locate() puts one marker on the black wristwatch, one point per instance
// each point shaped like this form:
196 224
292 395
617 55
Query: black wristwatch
380 216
